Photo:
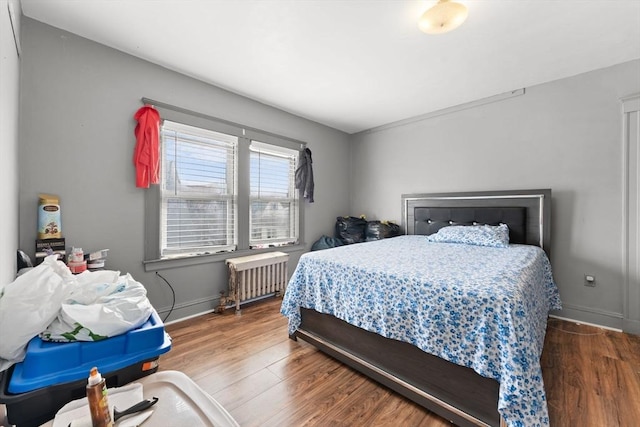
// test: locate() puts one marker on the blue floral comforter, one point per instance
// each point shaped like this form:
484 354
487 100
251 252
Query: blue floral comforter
480 307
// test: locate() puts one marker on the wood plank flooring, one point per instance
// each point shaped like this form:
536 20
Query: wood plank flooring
249 365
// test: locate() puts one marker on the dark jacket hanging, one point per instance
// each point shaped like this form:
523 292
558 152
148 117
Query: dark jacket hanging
304 175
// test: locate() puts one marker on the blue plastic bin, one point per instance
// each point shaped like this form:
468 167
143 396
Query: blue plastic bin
53 374
48 363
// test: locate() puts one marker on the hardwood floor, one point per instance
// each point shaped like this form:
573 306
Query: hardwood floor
249 365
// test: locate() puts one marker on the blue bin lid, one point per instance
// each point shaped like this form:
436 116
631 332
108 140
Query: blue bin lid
49 363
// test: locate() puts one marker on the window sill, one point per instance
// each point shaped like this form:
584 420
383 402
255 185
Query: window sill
176 262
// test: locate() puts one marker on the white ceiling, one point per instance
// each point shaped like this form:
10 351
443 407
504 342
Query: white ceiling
354 65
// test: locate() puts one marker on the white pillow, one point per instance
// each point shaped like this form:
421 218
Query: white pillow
496 236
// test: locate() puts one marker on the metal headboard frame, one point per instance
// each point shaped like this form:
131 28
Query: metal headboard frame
537 203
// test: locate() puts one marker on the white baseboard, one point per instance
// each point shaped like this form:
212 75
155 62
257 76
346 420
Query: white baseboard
589 316
579 322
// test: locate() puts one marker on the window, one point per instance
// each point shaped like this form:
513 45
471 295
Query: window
198 191
224 188
273 217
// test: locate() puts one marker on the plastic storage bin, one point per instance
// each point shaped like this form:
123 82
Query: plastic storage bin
53 374
181 402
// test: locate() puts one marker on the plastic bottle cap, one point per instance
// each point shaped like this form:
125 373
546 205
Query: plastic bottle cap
94 376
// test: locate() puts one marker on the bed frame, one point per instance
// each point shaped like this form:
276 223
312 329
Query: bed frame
454 392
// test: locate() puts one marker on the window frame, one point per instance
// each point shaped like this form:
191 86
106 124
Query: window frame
292 198
226 142
153 261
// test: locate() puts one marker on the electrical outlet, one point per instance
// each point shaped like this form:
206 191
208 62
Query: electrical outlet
590 280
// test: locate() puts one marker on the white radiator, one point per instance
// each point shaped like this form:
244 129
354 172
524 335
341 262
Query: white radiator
257 276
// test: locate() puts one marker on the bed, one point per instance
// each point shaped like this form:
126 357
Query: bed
457 328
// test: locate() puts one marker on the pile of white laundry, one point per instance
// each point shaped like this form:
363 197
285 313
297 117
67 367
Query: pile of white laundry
57 305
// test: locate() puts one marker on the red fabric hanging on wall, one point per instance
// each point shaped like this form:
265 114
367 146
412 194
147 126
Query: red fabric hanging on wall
146 156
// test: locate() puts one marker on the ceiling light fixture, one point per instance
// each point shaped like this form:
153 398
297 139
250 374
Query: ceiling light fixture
443 17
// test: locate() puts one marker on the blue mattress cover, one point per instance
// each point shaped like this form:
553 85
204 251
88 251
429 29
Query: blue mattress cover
481 307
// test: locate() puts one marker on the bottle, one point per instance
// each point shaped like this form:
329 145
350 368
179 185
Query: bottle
97 397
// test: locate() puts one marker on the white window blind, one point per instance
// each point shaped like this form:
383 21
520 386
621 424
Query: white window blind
273 219
198 209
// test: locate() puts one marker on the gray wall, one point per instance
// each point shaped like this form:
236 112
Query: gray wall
565 135
9 96
78 99
77 105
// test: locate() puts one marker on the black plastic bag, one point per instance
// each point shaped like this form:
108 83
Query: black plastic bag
350 229
376 230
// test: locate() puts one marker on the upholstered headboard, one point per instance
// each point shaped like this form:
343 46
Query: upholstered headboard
526 212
